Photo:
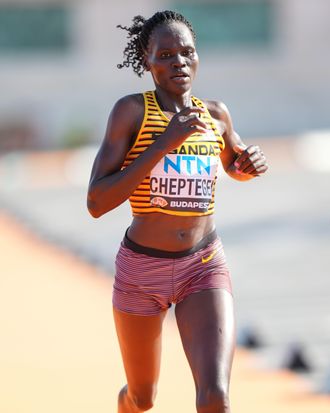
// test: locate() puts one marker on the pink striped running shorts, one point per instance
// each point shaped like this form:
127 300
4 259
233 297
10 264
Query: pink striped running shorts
148 280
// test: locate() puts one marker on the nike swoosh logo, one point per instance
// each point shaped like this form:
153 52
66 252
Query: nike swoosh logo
207 259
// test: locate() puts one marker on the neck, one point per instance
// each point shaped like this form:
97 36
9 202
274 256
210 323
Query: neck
173 103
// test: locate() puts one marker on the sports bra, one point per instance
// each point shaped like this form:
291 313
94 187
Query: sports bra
183 182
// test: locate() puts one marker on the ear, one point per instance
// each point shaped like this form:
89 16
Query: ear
146 64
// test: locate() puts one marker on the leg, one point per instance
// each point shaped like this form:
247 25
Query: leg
140 344
206 324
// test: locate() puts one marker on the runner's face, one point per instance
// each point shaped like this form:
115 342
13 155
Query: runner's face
172 58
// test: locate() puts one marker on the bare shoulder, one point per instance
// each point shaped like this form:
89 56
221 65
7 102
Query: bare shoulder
126 117
134 100
220 113
132 105
218 110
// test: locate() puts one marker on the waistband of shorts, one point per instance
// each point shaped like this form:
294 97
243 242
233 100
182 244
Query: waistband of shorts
153 252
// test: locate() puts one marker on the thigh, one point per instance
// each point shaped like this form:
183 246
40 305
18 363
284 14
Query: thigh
207 269
140 344
206 324
142 283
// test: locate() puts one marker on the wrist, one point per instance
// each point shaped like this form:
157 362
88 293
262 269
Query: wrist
160 146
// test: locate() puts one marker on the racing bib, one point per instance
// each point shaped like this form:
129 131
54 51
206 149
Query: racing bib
184 179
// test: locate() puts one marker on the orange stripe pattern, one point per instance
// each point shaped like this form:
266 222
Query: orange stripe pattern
155 123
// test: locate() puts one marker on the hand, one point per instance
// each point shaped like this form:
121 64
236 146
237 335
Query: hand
182 125
250 160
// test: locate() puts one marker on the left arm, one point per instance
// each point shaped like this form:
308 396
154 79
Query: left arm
239 161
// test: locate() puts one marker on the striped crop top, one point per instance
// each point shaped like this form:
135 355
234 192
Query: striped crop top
183 181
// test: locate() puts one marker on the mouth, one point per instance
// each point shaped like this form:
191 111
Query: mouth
180 75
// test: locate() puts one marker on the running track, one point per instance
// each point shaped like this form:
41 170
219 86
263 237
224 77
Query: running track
59 351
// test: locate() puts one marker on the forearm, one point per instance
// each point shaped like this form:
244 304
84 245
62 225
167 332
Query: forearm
108 192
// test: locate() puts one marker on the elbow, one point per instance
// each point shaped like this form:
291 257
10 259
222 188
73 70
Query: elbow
94 212
97 208
99 203
93 207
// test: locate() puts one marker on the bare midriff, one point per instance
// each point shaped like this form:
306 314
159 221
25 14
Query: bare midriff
170 232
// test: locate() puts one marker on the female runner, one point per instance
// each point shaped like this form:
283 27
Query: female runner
161 151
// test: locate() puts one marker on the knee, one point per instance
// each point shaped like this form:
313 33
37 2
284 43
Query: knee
144 403
213 400
144 399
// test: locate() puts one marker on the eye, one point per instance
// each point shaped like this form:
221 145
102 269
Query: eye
165 55
187 52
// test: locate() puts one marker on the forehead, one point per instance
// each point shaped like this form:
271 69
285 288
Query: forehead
173 34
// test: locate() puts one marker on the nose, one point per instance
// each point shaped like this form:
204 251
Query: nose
178 61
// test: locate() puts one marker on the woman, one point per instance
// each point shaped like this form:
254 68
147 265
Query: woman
161 151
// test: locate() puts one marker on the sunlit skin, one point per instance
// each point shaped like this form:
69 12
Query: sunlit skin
205 319
172 53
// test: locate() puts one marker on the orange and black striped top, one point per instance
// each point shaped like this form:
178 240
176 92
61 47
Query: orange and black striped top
183 181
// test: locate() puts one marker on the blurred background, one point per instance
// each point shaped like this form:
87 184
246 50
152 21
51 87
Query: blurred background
269 61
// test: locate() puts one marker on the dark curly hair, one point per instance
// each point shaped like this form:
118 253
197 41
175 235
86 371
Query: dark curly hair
139 35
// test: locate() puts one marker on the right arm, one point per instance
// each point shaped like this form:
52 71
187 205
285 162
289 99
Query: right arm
110 185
